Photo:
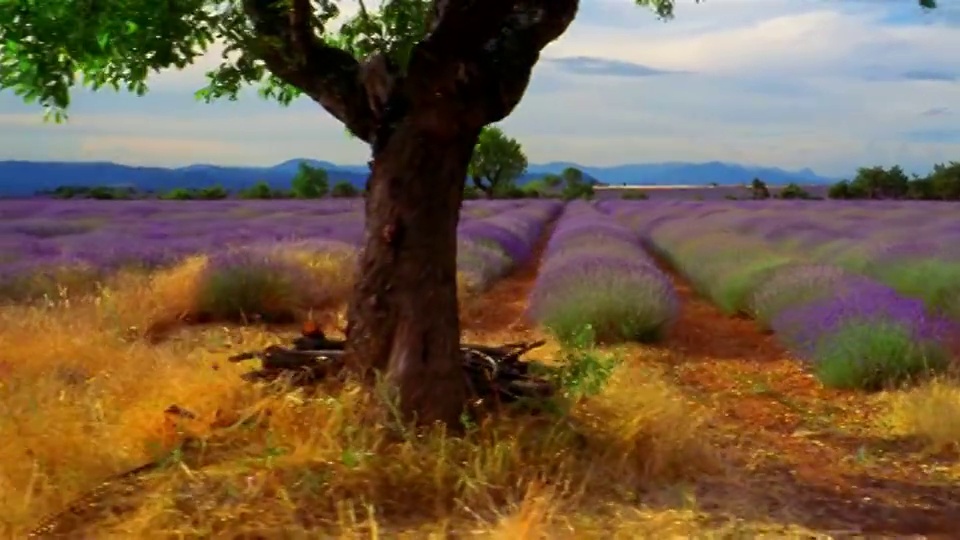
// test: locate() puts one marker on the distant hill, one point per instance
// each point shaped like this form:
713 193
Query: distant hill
24 178
680 173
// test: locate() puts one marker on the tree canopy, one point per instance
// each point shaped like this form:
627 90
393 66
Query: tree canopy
877 182
309 182
497 162
285 47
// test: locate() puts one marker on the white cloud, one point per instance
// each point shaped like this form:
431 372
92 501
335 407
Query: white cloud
773 82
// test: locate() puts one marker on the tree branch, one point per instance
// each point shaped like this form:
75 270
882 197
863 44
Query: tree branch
285 41
483 52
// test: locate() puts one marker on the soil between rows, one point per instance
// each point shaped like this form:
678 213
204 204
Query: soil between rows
801 453
798 453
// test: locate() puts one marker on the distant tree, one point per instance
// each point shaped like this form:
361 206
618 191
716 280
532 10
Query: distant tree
110 193
576 185
497 162
531 191
470 191
212 193
921 188
68 192
880 183
840 190
260 190
553 181
793 191
945 181
179 194
344 189
759 189
309 182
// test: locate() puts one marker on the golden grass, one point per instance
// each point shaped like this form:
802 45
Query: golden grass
153 304
82 399
930 412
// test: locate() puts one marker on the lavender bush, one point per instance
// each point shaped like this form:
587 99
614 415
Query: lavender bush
795 285
723 266
490 247
619 293
247 285
867 336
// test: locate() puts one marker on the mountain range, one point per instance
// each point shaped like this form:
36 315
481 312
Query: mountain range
25 178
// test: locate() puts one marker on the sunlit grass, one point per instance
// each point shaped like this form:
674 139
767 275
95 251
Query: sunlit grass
82 399
930 412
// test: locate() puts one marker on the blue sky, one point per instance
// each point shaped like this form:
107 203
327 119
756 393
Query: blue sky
826 84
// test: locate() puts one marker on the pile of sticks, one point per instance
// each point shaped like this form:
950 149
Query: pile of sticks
494 374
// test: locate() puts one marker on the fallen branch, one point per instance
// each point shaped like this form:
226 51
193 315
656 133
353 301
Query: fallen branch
493 373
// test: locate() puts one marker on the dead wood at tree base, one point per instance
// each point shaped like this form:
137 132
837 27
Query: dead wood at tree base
494 375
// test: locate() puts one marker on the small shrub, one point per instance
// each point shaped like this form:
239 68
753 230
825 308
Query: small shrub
584 371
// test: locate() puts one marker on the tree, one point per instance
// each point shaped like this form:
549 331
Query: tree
212 193
344 189
309 182
178 194
945 181
759 189
552 181
880 183
417 80
497 162
921 188
793 191
840 190
575 185
260 190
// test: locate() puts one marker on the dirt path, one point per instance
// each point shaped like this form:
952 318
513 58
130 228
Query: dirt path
802 454
499 314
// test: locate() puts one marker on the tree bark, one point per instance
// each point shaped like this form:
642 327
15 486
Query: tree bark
403 316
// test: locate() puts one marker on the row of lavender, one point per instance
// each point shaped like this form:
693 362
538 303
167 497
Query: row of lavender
914 249
854 330
48 243
281 282
490 247
596 277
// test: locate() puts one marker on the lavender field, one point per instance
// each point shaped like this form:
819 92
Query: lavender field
737 338
867 293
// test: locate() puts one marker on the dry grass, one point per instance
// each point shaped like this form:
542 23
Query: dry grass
82 398
930 412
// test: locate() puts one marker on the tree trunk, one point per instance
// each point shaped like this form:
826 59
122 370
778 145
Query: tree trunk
403 317
486 189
